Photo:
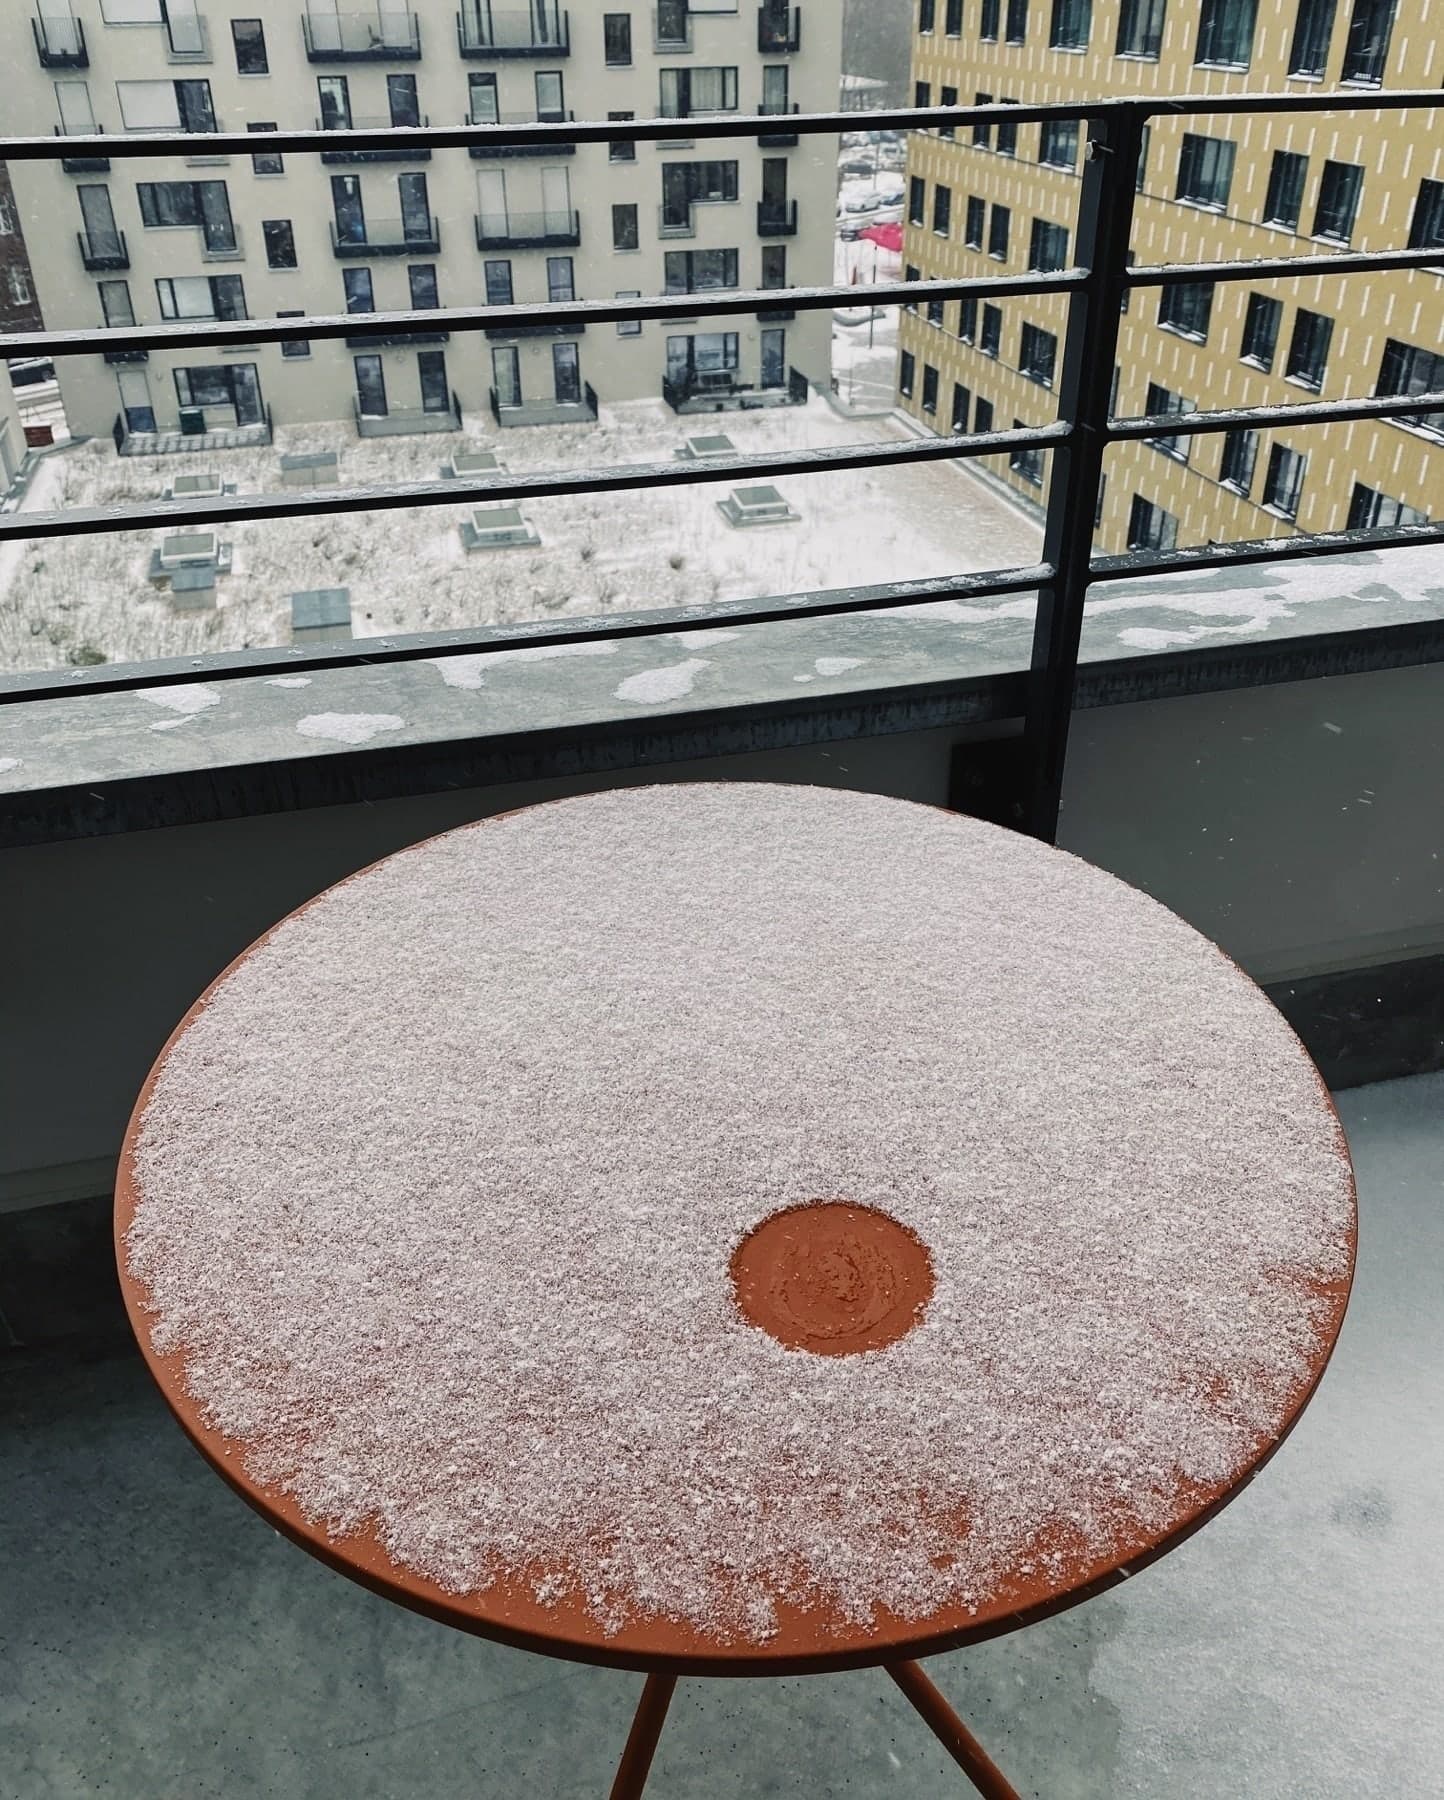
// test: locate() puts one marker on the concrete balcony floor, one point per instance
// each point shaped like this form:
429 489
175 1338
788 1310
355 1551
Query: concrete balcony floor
159 1640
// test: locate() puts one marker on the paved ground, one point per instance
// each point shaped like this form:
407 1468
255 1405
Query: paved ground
158 1641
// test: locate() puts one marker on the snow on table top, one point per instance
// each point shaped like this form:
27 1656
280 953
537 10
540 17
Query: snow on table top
439 1189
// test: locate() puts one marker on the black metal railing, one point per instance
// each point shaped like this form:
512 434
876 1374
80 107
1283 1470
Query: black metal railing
103 249
60 43
481 151
777 140
777 218
406 153
384 237
481 31
82 165
547 410
376 36
1095 289
528 230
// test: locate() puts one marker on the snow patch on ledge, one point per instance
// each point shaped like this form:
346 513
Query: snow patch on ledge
349 728
10 762
470 671
290 681
652 686
188 698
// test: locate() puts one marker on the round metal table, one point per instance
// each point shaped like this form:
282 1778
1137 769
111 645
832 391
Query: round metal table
821 1316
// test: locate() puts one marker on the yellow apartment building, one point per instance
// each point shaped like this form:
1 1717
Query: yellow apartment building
1213 187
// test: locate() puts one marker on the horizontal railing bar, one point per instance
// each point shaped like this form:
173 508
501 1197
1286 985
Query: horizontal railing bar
1314 412
208 333
1363 262
49 684
707 125
1135 564
235 508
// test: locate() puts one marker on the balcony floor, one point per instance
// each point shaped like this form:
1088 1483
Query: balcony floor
163 1641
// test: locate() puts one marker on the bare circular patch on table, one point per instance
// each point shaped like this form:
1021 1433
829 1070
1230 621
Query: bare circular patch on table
832 1278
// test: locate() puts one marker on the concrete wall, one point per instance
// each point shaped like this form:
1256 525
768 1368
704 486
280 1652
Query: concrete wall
1299 826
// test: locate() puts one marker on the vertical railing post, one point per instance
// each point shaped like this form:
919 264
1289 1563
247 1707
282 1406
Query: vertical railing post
1090 348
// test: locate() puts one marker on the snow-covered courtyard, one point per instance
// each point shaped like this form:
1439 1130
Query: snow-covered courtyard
80 599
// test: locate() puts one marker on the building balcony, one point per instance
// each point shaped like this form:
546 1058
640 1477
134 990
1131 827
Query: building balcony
395 340
528 231
83 165
218 430
103 249
407 421
386 237
776 315
60 43
779 30
485 34
489 152
778 140
545 411
188 39
776 218
382 36
720 390
421 152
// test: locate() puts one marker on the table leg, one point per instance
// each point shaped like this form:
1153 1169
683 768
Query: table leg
951 1732
642 1738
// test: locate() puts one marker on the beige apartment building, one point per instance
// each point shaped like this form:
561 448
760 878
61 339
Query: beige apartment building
206 237
1004 199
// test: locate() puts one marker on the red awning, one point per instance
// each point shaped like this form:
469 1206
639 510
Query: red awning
886 237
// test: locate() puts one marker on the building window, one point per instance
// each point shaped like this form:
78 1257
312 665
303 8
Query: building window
917 200
922 93
1058 143
280 242
1037 354
911 274
561 279
1405 369
927 14
19 281
1048 246
624 228
1150 527
201 297
1260 331
1070 24
1372 511
1140 28
496 273
1026 462
249 38
1285 196
1160 403
617 40
1007 132
1186 309
699 181
968 320
942 209
166 105
426 295
629 327
360 295
935 312
1205 170
998 222
774 265
266 162
1240 453
930 388
115 307
1098 503
1017 27
696 271
958 415
1426 228
947 96
1339 188
974 217
1366 50
1284 482
8 221
1140 174
1225 33
906 373
982 132
992 336
621 149
1309 348
1314 26
953 18
294 347
983 416
686 92
333 96
988 15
